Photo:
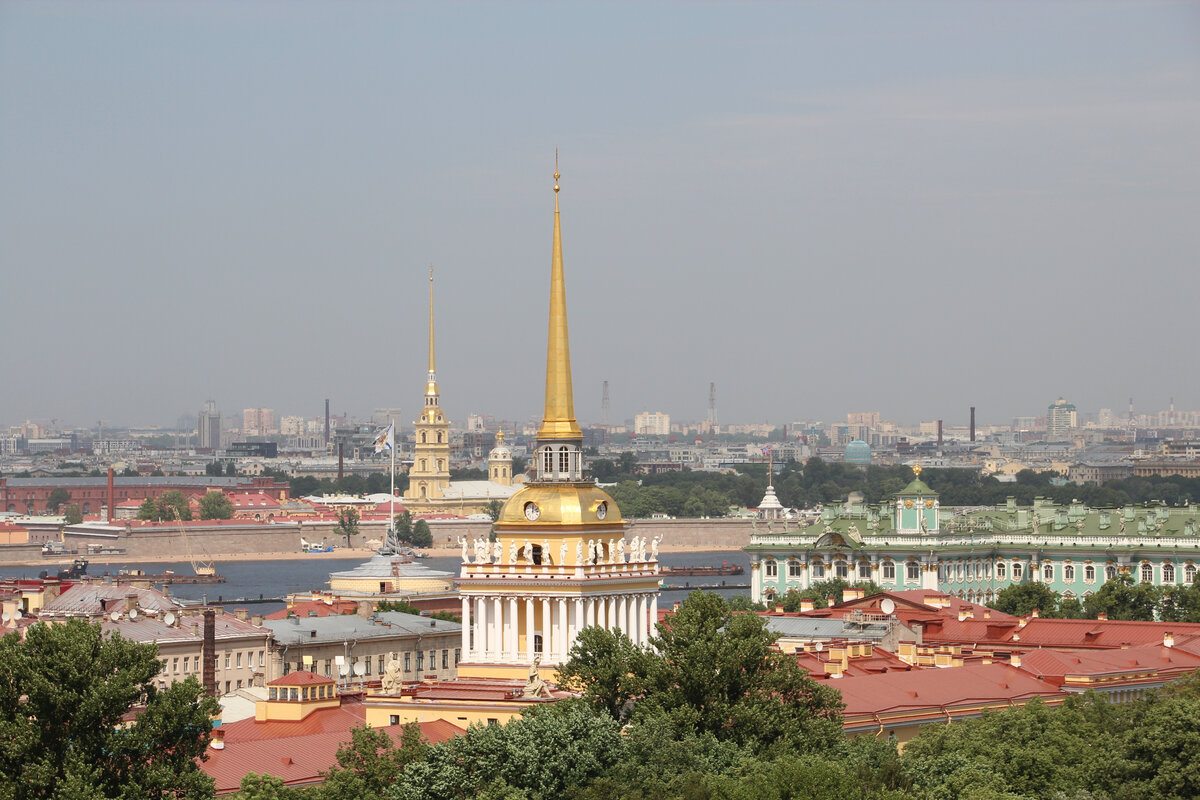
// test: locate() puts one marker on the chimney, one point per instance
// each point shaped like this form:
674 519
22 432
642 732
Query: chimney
130 601
851 593
112 495
939 433
218 739
987 613
210 652
1102 616
962 614
806 605
1014 659
363 609
1168 639
242 614
256 620
341 462
1034 614
972 423
778 609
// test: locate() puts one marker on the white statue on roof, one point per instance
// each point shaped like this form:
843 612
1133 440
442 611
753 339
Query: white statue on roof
392 681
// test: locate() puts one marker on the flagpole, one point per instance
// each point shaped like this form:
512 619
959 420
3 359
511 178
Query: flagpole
392 493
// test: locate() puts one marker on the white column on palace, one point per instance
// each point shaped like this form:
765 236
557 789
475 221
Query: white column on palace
466 627
653 615
589 612
481 631
562 631
641 618
547 628
610 611
579 621
495 635
530 629
755 582
623 616
511 645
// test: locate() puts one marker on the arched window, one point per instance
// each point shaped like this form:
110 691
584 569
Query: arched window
913 571
423 490
495 473
504 472
1001 571
1018 571
422 437
841 570
771 568
1047 572
1110 572
864 570
1168 573
424 464
889 571
537 643
794 568
818 570
441 465
564 460
1147 573
1089 574
1069 573
547 461
1189 574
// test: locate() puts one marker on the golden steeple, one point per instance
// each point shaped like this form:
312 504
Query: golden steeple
558 420
431 387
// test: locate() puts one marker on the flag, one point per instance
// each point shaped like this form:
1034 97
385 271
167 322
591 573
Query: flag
384 441
766 450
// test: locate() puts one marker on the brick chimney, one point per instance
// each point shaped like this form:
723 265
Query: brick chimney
112 495
806 605
852 593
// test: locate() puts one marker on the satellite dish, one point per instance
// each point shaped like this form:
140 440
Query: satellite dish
343 669
114 616
7 617
888 605
360 669
133 613
818 647
169 618
17 614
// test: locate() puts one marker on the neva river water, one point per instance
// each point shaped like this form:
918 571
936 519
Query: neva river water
251 579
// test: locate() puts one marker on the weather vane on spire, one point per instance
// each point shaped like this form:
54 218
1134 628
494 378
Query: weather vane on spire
556 175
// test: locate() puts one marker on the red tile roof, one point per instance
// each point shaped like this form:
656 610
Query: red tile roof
322 609
1102 634
1122 666
301 678
298 759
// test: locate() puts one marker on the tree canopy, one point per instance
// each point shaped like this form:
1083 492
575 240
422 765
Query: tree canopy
63 692
216 505
165 506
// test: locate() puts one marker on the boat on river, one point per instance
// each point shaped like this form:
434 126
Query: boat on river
725 568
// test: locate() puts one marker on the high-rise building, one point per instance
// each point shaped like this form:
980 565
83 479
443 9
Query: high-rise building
652 424
1060 418
208 427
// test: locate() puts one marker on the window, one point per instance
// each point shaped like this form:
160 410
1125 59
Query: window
1018 570
408 662
1168 573
164 667
260 658
889 571
458 652
794 568
958 572
380 665
433 659
1047 572
1069 573
913 571
564 460
393 719
227 661
239 684
239 662
771 568
547 461
1189 574
1147 573
175 666
226 687
1110 572
864 570
818 570
841 569
439 441
446 653
420 660
1089 574
1001 571
441 465
422 432
186 660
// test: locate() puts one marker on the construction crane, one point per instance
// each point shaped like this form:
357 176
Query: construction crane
200 567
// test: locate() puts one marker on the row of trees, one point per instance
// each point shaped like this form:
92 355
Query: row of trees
1119 598
213 505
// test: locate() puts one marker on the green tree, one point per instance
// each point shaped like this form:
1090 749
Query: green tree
148 509
1121 598
822 591
493 509
402 524
230 469
716 673
165 506
347 523
421 535
627 463
268 787
371 762
214 468
73 514
397 605
603 469
57 497
216 505
64 690
1020 599
608 668
547 752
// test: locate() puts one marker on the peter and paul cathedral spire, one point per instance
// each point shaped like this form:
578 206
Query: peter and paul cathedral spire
431 387
430 472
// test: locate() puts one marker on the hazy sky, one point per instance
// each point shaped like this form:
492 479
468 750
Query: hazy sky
822 207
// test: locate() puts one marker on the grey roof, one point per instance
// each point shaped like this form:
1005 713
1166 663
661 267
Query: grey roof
824 628
186 629
382 566
298 630
88 599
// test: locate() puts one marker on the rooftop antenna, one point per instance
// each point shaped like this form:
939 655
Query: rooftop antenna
604 405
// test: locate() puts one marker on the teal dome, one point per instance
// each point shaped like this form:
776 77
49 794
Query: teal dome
858 452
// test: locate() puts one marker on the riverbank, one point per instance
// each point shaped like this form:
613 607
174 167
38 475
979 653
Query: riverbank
220 558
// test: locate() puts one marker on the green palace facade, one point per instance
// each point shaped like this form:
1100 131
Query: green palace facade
911 542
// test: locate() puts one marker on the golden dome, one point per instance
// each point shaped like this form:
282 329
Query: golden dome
560 505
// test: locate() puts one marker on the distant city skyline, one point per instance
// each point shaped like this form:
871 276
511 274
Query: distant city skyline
828 207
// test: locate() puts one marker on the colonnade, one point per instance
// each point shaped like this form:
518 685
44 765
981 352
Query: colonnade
497 622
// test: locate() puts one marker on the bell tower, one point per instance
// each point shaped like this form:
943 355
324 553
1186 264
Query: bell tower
430 473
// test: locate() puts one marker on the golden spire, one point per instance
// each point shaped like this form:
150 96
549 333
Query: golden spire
431 388
558 421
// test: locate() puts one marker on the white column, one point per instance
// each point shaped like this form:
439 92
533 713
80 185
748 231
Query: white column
578 621
755 582
511 644
623 616
640 605
653 616
481 629
589 612
495 635
562 631
547 628
610 603
466 627
530 628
